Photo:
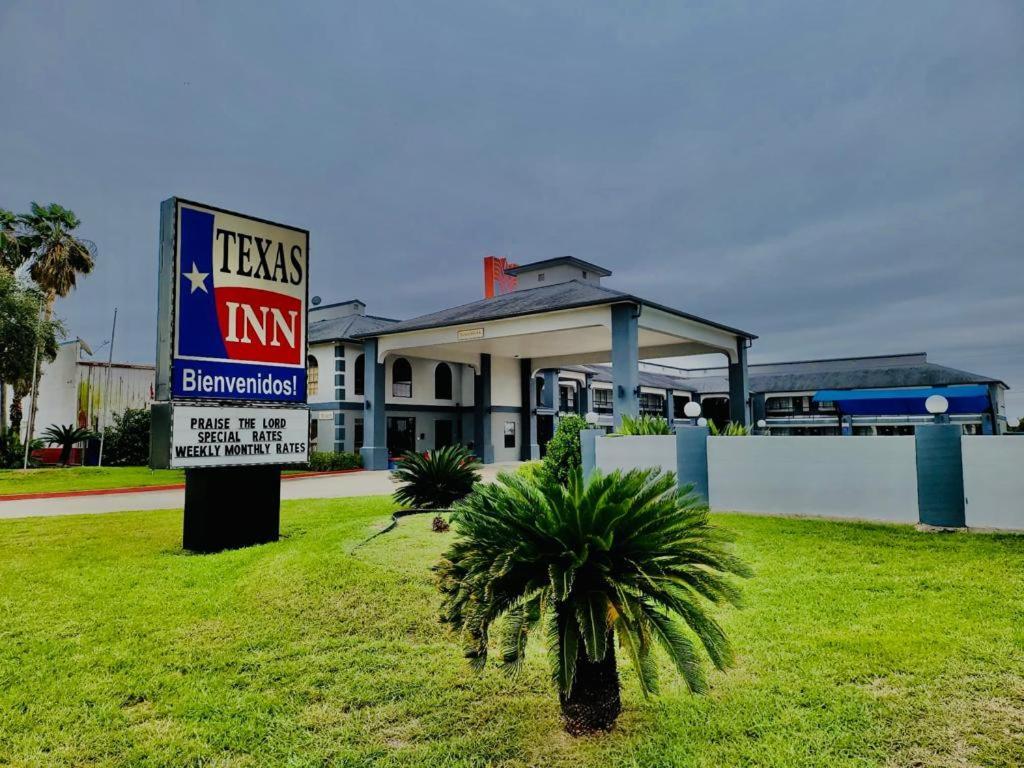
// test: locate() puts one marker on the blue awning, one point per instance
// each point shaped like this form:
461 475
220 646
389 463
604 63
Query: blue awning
898 402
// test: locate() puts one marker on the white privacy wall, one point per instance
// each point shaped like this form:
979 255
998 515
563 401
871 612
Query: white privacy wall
636 452
994 481
867 478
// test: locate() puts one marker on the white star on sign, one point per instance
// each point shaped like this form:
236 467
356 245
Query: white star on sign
197 278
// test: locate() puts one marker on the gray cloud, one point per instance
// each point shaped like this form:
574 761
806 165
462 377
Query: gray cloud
840 178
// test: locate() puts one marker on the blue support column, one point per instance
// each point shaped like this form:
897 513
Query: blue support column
846 426
529 450
757 407
669 394
625 362
482 411
692 459
375 436
940 475
549 392
584 400
739 386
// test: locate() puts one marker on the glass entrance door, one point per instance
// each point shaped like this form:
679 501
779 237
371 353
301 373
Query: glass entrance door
401 434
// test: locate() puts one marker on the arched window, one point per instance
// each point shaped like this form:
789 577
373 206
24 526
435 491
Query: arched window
443 382
312 376
401 378
360 376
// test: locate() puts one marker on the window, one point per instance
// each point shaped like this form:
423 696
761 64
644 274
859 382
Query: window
826 406
360 376
339 372
401 378
510 434
602 401
652 404
312 376
339 432
566 397
778 404
540 278
443 382
357 434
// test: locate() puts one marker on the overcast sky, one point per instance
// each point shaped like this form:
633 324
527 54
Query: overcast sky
839 178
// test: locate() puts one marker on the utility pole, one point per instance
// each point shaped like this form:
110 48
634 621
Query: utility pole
35 394
106 390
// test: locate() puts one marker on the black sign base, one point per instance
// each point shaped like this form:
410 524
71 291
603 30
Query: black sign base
231 507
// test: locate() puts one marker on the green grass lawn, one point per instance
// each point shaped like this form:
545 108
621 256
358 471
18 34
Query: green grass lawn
860 645
56 479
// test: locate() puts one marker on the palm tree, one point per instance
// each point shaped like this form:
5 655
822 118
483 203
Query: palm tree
67 436
621 558
12 255
56 259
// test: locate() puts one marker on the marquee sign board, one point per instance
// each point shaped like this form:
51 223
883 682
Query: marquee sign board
217 436
231 340
233 307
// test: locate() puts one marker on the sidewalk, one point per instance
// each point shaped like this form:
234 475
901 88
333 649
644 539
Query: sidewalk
376 483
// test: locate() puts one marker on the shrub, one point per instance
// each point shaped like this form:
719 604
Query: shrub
644 424
12 451
435 479
623 559
126 440
732 429
439 525
331 461
563 456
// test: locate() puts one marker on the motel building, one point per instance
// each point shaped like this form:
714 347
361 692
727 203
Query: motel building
498 372
495 374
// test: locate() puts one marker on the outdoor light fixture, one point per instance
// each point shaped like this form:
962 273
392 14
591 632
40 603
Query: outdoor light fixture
761 423
702 422
937 406
591 418
691 410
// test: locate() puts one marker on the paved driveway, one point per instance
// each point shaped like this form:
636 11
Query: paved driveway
327 487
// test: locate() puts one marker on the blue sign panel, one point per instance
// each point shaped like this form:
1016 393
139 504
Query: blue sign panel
239 328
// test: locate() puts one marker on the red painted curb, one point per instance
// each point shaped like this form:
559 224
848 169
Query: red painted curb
146 488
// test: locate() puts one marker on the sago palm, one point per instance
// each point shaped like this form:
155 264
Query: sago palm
67 436
623 559
435 479
644 424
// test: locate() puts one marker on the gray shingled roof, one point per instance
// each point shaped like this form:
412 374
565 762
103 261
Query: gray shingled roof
346 328
529 301
809 377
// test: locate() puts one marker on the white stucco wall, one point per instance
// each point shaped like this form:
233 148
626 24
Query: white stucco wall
505 381
994 481
501 453
636 452
868 478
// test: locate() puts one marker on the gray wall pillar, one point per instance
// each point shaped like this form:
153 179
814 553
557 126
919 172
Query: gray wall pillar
669 402
940 475
846 426
588 449
375 434
529 450
739 386
692 459
482 411
625 362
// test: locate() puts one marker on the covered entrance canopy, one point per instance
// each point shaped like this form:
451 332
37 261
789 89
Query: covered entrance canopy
559 315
